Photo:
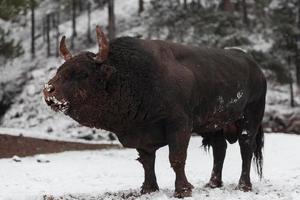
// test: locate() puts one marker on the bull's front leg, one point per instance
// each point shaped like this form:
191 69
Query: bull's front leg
178 136
147 159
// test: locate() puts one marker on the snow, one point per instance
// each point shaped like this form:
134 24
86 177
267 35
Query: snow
261 43
111 174
278 102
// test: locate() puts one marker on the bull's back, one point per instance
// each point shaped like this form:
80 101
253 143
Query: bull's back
217 84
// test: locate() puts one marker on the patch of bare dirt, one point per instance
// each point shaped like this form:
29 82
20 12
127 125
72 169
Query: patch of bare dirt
27 146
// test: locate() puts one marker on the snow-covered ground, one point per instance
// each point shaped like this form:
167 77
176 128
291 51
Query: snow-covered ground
114 174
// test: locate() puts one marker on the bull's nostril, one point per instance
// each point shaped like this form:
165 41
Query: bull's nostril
49 88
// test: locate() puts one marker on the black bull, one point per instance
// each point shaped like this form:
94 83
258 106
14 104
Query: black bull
155 93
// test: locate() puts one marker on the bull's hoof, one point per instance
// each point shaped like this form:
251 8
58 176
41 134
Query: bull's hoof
182 193
214 184
244 187
147 189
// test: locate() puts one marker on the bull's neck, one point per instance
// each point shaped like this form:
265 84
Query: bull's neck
124 104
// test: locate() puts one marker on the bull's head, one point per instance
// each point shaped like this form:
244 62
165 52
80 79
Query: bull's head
80 78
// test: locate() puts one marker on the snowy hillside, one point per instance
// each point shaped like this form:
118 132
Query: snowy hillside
114 174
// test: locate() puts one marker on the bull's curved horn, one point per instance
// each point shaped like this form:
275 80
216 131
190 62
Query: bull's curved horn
103 44
64 50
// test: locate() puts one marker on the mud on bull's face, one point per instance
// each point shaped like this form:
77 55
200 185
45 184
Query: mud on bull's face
73 83
79 79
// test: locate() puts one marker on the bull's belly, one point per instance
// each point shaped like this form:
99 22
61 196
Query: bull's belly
148 138
221 123
220 111
212 122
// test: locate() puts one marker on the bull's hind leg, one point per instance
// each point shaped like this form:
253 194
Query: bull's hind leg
247 147
178 136
248 141
219 146
148 161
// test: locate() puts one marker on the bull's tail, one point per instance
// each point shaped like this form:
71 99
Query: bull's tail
206 143
258 155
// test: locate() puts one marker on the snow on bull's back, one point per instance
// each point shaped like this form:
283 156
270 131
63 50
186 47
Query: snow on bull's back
114 174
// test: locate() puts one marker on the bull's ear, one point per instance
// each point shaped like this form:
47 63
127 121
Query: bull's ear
107 71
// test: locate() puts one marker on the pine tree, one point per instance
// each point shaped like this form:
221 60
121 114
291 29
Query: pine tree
285 29
10 8
8 47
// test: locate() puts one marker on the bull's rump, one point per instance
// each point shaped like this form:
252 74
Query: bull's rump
226 81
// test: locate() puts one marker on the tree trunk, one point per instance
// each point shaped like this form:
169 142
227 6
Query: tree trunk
111 20
44 29
292 101
80 6
185 4
141 6
32 7
89 38
297 59
57 32
289 41
74 33
48 34
245 13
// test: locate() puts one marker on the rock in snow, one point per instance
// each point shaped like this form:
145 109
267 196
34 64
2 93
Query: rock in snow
42 159
16 158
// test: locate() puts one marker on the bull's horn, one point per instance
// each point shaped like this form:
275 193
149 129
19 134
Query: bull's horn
64 50
103 44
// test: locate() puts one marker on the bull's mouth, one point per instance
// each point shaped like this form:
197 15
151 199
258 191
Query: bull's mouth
58 105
